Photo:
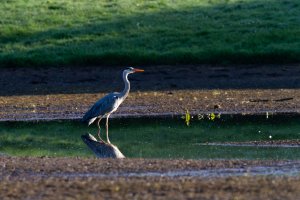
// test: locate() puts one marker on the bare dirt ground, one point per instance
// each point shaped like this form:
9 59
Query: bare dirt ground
66 93
54 178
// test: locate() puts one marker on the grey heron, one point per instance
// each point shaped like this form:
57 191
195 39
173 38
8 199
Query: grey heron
105 106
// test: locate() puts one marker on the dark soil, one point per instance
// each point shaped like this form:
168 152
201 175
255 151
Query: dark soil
66 93
36 178
247 188
74 80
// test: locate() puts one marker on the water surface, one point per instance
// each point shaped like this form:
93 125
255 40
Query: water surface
157 137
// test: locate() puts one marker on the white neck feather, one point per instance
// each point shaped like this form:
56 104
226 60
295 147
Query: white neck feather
126 90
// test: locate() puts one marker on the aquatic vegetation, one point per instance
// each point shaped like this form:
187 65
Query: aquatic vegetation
187 118
211 116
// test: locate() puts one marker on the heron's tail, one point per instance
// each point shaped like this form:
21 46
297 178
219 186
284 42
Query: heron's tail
89 121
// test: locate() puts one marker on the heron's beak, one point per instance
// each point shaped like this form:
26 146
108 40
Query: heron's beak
138 70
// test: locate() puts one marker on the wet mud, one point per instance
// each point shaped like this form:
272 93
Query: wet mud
77 178
66 93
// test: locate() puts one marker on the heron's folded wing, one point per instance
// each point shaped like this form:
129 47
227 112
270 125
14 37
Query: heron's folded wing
101 107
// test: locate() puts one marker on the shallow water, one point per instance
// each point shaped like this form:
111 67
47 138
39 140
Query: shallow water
250 145
158 137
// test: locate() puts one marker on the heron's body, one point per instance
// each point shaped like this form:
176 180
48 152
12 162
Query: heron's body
109 103
103 107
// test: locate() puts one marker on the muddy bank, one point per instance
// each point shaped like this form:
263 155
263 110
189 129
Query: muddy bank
154 188
73 106
21 166
66 93
36 178
40 168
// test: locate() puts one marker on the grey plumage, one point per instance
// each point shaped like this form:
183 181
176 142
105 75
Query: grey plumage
101 108
109 103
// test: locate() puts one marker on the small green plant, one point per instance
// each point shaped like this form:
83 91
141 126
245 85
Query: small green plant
213 116
187 118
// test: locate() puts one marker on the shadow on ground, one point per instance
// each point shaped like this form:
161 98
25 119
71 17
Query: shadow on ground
67 80
135 33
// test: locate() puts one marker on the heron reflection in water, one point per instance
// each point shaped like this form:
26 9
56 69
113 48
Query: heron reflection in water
105 106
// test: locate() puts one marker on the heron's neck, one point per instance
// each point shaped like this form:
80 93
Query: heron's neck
127 85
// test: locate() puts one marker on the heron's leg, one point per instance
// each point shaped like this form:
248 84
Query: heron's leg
107 130
98 124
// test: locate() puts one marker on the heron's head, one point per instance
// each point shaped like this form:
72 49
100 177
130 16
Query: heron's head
131 70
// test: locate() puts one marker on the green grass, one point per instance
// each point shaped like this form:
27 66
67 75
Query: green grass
123 32
153 138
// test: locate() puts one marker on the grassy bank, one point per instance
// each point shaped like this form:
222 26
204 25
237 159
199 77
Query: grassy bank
73 32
